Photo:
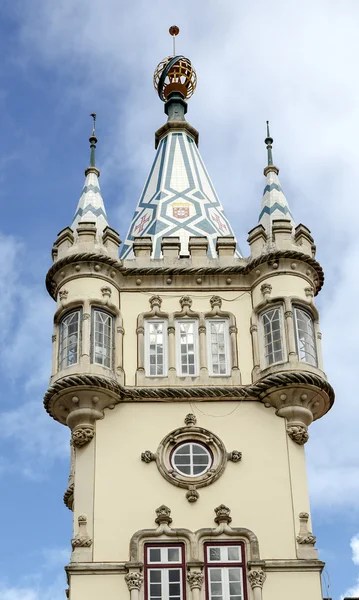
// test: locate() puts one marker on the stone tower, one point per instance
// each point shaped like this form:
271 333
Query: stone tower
188 375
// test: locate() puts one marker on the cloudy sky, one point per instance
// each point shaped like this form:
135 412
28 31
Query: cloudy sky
294 63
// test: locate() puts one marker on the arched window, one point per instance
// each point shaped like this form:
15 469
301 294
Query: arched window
156 348
102 338
273 336
69 333
305 336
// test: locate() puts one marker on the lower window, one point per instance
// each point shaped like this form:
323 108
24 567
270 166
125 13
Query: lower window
225 571
164 572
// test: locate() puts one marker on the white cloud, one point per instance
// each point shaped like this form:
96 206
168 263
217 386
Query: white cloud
53 591
353 591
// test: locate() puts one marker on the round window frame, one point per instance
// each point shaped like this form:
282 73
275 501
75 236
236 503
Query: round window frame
197 443
194 434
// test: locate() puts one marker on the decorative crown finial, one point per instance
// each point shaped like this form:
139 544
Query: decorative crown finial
175 73
269 141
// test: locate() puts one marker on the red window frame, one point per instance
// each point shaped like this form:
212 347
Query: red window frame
209 564
180 565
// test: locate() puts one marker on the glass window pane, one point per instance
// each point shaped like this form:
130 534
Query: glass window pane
155 555
233 553
187 347
215 555
69 339
155 348
305 337
173 555
191 459
273 336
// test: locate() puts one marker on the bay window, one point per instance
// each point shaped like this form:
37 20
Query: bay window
273 336
69 339
102 338
305 336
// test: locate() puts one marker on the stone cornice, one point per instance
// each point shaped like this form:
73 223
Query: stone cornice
254 391
244 267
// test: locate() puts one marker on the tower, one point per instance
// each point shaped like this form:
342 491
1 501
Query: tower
188 375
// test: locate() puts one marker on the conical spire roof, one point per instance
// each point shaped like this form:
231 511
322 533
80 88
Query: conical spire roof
90 206
274 202
178 199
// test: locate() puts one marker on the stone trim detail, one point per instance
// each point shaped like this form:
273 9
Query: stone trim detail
69 496
257 390
194 434
256 578
134 580
81 539
195 579
298 433
305 539
244 268
193 538
82 435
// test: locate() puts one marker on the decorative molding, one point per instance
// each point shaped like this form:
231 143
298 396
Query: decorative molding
163 515
82 435
298 433
190 419
155 301
222 514
68 497
147 456
235 456
106 292
86 316
245 267
258 390
192 495
266 289
186 301
134 580
195 579
54 338
63 294
305 536
309 292
216 301
82 539
256 578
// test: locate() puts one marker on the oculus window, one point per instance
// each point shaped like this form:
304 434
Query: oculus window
191 459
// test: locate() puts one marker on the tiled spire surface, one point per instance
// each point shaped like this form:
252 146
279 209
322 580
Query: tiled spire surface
90 206
274 202
178 198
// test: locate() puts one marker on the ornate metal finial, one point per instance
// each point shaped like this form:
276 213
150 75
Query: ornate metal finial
93 141
175 73
174 31
269 141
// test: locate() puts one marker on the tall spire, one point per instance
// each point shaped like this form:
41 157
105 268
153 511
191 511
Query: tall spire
274 202
179 199
90 206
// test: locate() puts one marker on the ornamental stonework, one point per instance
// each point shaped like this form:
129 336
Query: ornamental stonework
195 579
134 580
256 578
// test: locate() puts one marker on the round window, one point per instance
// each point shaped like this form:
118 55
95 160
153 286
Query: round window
191 459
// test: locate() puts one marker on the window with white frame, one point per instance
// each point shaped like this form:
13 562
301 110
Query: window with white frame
69 339
102 338
164 572
191 459
156 348
305 336
187 347
273 336
224 570
218 346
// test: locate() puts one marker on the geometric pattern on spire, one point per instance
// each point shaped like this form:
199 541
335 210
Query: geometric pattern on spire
274 202
178 199
90 206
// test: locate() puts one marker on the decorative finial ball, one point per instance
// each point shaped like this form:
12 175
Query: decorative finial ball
174 30
175 74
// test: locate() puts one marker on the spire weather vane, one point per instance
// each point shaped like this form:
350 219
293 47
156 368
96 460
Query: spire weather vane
93 115
174 31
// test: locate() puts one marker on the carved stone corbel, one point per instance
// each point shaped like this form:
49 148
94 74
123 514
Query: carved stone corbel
81 419
134 580
195 581
256 578
305 539
163 515
222 514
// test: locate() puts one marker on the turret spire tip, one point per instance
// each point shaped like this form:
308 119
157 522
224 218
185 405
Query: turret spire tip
93 141
269 141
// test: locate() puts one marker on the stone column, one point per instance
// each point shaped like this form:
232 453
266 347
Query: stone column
134 580
195 581
120 332
255 344
318 341
288 315
202 349
140 348
256 578
171 332
85 340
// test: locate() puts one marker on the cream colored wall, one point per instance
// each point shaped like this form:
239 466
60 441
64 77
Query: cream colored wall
128 491
236 302
293 586
98 587
282 285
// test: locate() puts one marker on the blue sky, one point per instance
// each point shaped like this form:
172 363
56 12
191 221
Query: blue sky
293 63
